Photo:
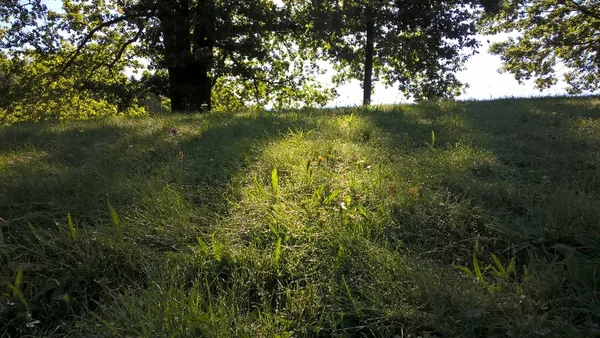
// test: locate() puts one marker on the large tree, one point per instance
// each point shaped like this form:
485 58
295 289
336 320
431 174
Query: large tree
550 33
416 45
197 42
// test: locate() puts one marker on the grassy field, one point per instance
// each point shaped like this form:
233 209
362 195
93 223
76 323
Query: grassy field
457 219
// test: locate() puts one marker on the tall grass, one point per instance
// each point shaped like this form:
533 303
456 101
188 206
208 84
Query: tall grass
453 219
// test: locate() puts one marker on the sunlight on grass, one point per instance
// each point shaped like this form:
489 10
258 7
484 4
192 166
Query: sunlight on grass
450 219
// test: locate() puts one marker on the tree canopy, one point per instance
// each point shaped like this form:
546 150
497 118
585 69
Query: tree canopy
550 35
202 53
415 45
197 43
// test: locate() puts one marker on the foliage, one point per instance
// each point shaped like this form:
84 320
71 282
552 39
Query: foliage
197 45
416 45
551 35
234 95
182 234
31 94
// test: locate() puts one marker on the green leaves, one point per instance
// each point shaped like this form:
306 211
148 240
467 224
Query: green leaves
552 33
500 273
245 52
419 57
32 90
500 270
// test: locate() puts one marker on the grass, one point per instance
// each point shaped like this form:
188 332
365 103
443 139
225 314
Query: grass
455 219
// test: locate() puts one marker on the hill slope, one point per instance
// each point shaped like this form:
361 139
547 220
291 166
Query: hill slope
471 219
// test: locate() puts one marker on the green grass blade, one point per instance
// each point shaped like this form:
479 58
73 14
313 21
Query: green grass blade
259 186
356 309
19 278
466 271
476 268
16 292
332 196
35 233
277 251
72 229
379 176
209 297
511 267
275 181
202 245
217 252
106 324
1 237
114 218
501 271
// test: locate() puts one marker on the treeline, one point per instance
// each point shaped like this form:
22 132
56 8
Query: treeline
73 61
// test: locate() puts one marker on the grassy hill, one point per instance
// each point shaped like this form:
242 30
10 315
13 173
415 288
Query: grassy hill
457 219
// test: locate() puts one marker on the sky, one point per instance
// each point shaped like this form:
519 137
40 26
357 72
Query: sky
481 74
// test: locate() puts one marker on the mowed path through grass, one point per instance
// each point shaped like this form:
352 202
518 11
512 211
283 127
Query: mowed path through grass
457 219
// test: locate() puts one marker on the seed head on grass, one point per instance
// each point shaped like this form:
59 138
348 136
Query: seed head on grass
320 160
414 191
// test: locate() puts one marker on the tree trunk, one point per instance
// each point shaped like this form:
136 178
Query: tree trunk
189 82
369 50
190 87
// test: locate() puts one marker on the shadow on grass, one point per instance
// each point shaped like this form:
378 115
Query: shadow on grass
544 172
166 188
518 178
51 170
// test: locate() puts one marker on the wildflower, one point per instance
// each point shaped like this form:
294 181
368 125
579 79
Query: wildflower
174 130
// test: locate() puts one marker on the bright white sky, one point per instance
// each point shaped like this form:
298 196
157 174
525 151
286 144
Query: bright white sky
481 74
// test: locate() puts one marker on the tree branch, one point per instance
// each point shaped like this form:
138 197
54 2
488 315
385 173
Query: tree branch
124 47
583 9
91 34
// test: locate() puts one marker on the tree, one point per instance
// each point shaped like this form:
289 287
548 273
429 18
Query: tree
417 45
197 42
550 33
79 93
